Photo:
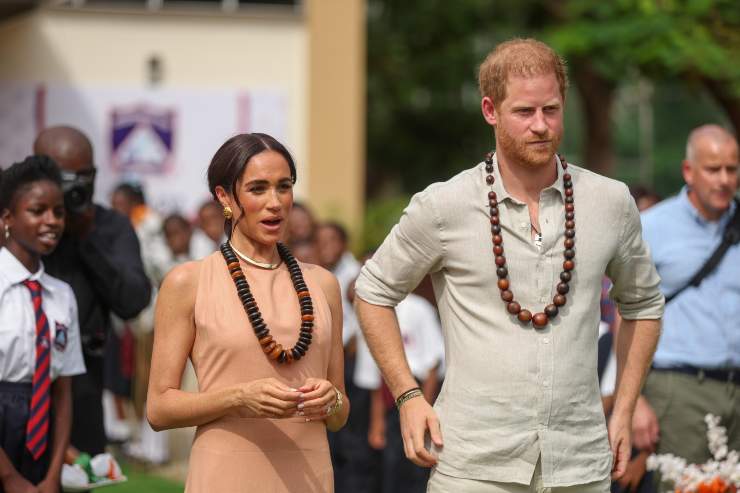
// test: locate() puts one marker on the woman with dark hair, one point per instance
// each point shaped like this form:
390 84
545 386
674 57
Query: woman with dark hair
263 332
39 331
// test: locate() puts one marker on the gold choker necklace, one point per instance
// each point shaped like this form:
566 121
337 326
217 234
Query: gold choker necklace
256 263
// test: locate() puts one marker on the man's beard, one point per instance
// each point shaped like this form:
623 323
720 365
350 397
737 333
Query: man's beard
533 156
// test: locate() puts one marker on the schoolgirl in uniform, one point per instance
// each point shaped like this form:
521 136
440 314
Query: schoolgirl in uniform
39 331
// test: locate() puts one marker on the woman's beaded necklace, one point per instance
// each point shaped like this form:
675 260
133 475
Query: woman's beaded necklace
271 348
539 320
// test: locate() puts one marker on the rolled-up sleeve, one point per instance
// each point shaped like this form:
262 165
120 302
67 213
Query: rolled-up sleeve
635 280
412 249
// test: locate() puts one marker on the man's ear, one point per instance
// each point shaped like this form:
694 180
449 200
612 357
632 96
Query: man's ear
489 111
686 171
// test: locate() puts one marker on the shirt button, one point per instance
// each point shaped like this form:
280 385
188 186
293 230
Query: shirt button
546 340
524 225
546 383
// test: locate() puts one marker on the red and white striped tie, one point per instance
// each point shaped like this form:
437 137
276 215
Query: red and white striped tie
37 428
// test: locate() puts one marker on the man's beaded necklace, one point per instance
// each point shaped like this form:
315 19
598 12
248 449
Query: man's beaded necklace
539 320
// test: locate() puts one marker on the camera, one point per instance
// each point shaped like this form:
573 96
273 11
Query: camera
78 190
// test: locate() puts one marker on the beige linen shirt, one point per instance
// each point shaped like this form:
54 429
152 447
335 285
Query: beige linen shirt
513 393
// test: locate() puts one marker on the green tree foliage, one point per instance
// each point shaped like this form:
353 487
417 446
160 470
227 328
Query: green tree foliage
424 120
687 48
664 39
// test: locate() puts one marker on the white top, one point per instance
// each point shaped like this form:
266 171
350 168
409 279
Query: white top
18 323
609 377
346 271
421 333
201 245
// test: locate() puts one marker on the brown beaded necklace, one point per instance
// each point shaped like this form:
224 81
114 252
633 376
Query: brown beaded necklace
539 320
270 347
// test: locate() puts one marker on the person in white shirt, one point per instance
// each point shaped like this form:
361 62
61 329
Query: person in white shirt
349 449
39 331
332 242
209 232
151 446
421 334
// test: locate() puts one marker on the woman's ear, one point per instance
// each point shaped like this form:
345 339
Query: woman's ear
5 216
223 198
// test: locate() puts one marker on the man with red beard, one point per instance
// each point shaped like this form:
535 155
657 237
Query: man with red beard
519 301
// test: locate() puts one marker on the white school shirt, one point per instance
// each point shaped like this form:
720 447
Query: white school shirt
18 323
421 334
608 383
346 271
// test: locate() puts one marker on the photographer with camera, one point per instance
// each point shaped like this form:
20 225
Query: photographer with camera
99 257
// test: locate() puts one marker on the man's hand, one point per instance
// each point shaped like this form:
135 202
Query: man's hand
620 442
636 470
645 428
418 417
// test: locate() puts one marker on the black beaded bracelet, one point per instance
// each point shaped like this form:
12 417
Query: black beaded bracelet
409 394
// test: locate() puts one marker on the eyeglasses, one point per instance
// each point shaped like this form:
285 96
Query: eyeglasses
84 176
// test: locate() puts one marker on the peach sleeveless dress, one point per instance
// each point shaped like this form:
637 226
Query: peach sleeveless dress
234 454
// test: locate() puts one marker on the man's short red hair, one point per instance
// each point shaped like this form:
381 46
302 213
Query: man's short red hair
519 58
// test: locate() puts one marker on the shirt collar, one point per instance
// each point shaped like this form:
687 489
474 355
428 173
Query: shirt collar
501 192
683 197
15 272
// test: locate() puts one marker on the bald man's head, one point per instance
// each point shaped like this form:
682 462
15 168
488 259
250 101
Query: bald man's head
70 148
710 170
707 138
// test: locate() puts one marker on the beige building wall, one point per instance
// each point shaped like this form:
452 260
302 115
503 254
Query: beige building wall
337 97
316 57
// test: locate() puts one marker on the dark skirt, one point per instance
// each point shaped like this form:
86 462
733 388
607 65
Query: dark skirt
15 402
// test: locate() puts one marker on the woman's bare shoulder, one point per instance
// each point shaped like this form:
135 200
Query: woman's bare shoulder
182 279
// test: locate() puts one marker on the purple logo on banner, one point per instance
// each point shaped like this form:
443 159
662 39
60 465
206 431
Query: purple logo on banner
142 139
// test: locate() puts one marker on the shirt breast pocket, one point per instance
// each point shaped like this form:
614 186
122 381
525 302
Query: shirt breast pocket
59 334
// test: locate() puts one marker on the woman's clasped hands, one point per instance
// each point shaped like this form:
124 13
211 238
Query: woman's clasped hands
271 398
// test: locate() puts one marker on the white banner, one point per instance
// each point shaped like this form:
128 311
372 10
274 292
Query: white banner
161 138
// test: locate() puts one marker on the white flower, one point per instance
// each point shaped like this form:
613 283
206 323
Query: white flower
717 437
688 478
